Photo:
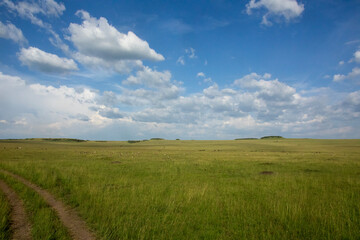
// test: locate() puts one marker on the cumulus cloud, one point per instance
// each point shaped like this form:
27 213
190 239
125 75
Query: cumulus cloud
254 95
355 72
288 9
150 78
254 105
353 75
49 111
97 38
45 62
351 105
154 86
338 77
95 63
271 90
111 113
357 56
10 31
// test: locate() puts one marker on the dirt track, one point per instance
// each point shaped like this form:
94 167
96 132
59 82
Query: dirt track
76 226
19 223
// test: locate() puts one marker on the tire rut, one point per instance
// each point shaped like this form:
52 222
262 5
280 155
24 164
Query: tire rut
20 225
68 216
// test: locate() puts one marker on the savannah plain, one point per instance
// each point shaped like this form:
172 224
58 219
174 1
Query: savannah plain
174 189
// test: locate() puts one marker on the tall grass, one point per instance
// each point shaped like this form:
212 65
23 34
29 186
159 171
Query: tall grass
4 217
201 189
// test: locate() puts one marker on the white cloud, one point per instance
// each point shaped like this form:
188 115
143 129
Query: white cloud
150 78
10 31
97 38
191 52
52 8
357 56
270 90
160 84
45 62
255 105
29 110
181 60
58 42
338 77
121 66
351 105
355 72
353 75
30 10
200 74
289 9
264 100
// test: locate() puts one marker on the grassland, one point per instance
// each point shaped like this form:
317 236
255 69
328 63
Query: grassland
243 189
4 217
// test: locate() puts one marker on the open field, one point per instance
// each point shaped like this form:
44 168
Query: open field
159 189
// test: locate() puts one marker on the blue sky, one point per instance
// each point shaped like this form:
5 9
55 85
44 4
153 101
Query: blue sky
119 70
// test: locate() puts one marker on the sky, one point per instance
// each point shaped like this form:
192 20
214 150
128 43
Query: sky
216 69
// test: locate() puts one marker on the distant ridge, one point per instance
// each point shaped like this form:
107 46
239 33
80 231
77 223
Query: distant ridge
58 139
246 138
271 137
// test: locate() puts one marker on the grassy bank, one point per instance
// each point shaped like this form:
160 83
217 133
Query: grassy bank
249 189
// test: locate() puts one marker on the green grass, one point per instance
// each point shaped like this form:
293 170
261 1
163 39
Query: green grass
4 217
201 189
44 221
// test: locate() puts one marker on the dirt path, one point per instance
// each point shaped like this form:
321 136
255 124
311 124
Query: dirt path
19 223
76 226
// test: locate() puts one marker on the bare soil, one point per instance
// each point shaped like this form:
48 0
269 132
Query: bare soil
20 225
68 216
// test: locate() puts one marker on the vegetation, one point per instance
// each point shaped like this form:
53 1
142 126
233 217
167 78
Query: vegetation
137 141
63 140
4 217
272 137
245 138
249 189
44 221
